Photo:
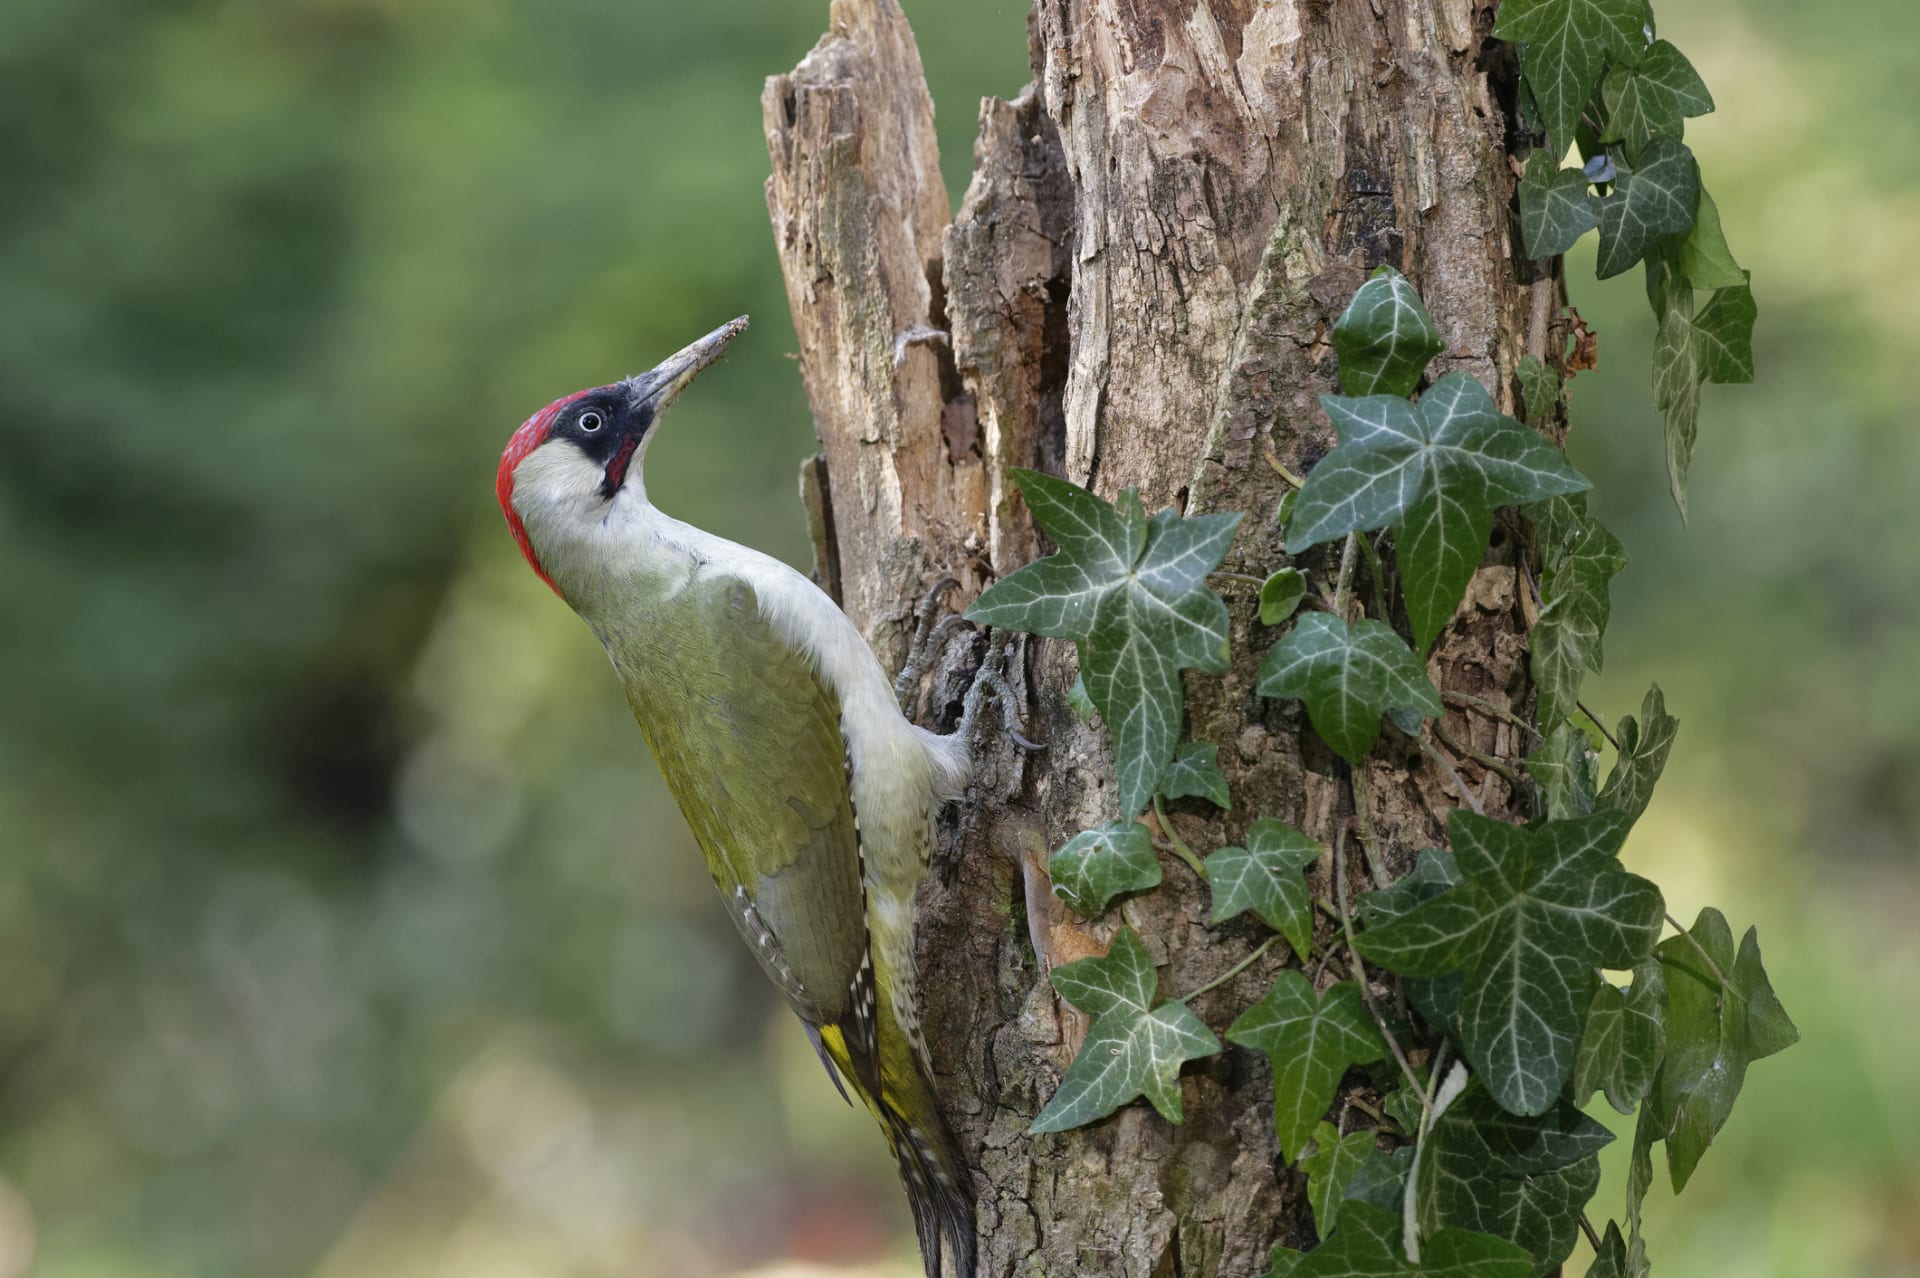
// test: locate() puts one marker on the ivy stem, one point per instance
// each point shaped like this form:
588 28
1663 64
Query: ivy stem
1173 836
1593 1239
1701 950
1233 971
1459 783
1360 968
1377 578
1358 778
1488 708
1343 588
1279 468
1224 575
1486 761
1371 1111
1611 739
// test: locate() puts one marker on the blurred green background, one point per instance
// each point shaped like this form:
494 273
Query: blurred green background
345 929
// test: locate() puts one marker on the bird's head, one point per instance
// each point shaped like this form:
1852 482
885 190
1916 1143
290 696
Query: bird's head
573 460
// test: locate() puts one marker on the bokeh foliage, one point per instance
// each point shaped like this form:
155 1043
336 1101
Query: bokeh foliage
344 927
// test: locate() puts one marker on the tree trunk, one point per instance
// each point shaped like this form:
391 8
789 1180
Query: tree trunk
1139 290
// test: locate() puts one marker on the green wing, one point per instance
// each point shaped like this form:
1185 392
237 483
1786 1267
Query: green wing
749 742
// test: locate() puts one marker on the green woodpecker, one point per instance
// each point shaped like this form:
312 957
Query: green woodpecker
810 794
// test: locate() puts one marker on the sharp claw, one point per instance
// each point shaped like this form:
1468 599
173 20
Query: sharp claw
930 625
990 681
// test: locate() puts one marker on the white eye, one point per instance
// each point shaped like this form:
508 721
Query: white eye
591 421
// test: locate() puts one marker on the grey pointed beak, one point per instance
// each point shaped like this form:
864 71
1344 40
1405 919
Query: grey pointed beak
664 383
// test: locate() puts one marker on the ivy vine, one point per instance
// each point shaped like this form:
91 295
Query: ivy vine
1479 1161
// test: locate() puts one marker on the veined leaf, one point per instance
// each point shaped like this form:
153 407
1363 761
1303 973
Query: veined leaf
1311 1042
1714 1032
1385 337
1280 594
1580 557
1267 877
1653 93
1349 677
1131 592
1644 746
1564 770
1653 197
1435 471
1557 207
1566 43
1367 1244
1096 865
1522 1180
1538 909
1195 773
1705 259
1133 1048
1625 1039
1539 391
1611 1260
1715 344
1330 1168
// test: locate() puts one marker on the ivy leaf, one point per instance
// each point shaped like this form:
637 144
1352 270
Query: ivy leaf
1539 391
1525 1182
1195 773
1077 698
1330 1168
1644 746
1714 345
1652 198
1311 1043
1580 557
1556 206
1436 471
1566 44
1283 1262
1133 1048
1367 1245
1280 594
1624 1040
1131 592
1705 259
1639 1180
1654 94
1539 908
1436 998
1266 877
1611 1260
1564 770
1724 329
1385 337
1348 676
1403 1106
1096 865
1678 370
1381 1178
1714 1032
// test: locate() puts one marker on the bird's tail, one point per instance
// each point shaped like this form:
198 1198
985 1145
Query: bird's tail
938 1186
939 1189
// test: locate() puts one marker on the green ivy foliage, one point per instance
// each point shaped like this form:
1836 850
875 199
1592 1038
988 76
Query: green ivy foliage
1595 76
1503 949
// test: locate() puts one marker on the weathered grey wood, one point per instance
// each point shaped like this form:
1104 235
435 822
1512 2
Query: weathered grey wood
1138 290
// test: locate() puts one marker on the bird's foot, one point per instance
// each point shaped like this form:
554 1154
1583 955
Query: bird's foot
931 632
991 681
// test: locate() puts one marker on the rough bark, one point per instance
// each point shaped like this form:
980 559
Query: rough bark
1138 290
